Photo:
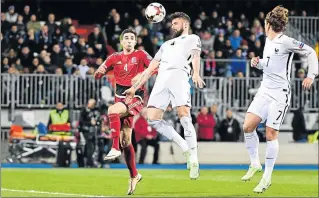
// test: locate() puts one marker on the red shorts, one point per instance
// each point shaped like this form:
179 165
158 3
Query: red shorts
134 108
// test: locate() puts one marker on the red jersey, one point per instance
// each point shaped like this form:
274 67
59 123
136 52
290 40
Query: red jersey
126 67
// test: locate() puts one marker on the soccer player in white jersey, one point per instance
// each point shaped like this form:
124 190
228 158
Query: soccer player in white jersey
172 85
273 97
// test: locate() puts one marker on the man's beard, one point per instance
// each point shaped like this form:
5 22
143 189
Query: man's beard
178 33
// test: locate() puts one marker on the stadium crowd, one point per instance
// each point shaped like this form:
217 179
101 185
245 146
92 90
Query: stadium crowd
31 46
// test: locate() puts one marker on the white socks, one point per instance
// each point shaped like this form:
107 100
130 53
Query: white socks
252 144
271 156
190 137
164 128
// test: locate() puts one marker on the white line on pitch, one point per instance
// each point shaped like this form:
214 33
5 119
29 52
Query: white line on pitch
50 193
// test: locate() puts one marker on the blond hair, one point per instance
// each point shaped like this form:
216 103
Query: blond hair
278 18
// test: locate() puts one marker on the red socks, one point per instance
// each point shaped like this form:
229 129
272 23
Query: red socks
129 155
115 125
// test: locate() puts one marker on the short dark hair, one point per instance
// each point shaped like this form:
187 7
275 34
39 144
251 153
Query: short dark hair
182 15
128 31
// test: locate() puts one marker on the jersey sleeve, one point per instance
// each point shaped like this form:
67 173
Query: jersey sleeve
298 47
195 43
110 61
146 58
158 55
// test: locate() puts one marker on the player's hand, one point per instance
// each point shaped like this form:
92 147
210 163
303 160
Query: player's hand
99 72
254 61
129 94
306 83
198 81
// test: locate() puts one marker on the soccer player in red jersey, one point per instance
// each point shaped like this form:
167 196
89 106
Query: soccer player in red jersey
126 65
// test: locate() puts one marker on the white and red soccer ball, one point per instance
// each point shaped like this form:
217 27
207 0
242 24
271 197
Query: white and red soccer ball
155 12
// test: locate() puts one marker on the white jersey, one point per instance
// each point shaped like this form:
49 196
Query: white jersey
177 53
277 61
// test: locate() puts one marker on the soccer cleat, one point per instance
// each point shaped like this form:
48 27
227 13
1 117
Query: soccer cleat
112 155
194 170
132 183
187 155
263 185
251 172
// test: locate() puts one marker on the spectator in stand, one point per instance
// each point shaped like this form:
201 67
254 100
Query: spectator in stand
235 39
96 37
12 56
31 42
258 48
146 136
69 49
113 31
13 36
90 56
21 25
26 57
98 62
83 68
52 26
69 67
229 28
44 38
11 15
26 14
221 66
137 27
214 22
34 24
238 63
66 24
57 36
206 124
214 112
5 25
228 50
40 70
72 35
230 129
219 43
57 56
299 126
244 32
5 64
207 42
244 20
210 65
35 64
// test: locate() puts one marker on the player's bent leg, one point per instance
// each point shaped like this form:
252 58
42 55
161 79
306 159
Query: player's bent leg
155 120
191 139
129 155
252 143
115 112
271 156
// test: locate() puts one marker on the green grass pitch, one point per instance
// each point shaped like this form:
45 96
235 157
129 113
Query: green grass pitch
112 182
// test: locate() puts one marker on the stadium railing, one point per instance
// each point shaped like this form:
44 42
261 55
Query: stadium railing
45 90
304 28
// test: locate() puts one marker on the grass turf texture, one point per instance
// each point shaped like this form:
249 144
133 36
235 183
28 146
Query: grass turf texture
107 182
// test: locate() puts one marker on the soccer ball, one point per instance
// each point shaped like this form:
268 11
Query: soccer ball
155 12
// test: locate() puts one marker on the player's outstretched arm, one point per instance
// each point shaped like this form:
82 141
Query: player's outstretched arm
146 74
197 80
105 67
312 59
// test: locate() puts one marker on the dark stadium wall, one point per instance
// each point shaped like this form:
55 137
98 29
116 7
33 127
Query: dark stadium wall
96 11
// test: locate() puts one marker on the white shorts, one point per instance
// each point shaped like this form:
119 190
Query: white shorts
271 105
171 86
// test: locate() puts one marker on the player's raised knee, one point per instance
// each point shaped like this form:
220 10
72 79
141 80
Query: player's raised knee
183 111
248 128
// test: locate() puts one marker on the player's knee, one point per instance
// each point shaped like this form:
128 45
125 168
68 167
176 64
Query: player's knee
271 134
111 110
248 128
125 142
182 112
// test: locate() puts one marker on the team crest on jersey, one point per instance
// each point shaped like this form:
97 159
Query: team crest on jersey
276 51
133 60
